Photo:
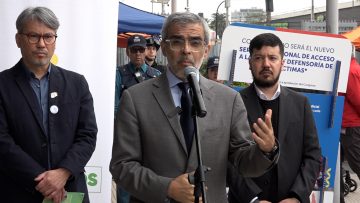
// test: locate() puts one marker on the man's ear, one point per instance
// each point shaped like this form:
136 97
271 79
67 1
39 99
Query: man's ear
17 39
207 50
127 52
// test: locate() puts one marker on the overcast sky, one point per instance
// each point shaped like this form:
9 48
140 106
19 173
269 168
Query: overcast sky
209 6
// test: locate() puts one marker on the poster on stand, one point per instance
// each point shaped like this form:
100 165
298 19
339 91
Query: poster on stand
309 57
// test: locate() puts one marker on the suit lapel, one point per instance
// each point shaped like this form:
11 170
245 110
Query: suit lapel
284 114
208 96
163 96
29 94
55 94
205 87
252 104
55 84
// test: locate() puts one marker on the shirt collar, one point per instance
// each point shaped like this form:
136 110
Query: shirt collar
173 80
143 67
30 74
262 96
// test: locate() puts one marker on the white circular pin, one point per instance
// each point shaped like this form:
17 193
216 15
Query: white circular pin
54 109
53 95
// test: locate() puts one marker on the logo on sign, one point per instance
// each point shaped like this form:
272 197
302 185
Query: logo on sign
93 176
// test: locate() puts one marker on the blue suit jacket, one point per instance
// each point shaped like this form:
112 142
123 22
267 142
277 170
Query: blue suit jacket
23 142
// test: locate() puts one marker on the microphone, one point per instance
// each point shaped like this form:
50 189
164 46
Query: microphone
191 73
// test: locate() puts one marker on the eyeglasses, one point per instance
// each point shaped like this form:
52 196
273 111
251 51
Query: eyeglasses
195 45
34 38
134 50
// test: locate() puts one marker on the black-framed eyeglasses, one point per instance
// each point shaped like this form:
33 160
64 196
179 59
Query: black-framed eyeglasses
34 38
178 44
134 50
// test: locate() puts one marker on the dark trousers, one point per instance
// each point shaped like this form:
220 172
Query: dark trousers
350 143
350 149
342 200
121 195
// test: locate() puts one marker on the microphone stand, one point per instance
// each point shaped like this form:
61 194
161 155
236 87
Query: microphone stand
198 179
199 176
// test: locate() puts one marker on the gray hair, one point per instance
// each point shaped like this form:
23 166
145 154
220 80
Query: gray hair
41 14
184 18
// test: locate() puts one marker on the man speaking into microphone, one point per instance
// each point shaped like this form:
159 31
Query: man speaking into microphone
153 148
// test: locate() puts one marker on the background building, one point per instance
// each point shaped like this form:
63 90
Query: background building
251 15
349 18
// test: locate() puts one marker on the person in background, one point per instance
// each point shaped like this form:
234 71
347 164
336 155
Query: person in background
153 148
152 46
212 68
136 71
47 121
350 132
293 178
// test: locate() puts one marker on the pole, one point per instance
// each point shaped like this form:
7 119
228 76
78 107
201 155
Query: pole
162 8
312 17
269 8
173 6
199 176
268 18
227 6
332 16
187 6
199 110
216 20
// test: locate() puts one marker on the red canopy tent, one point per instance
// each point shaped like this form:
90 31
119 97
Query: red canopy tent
354 37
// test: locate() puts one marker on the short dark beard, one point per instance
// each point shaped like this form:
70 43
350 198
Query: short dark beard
265 84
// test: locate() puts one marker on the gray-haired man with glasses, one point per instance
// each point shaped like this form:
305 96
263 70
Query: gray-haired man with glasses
153 149
47 121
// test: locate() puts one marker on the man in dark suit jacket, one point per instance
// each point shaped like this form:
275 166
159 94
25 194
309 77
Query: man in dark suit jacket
47 121
293 178
151 156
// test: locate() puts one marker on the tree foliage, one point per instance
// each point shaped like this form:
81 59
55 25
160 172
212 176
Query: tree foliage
220 20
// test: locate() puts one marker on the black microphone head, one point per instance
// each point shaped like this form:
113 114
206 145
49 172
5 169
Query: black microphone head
192 76
190 70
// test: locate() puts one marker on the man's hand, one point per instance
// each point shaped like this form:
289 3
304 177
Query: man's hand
264 201
58 197
181 190
290 200
51 184
264 133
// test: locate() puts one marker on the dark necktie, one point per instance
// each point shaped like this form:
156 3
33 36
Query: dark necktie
186 120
